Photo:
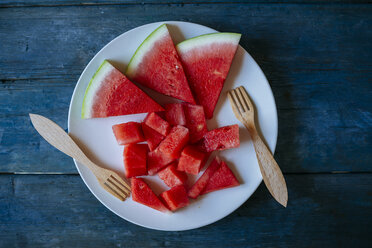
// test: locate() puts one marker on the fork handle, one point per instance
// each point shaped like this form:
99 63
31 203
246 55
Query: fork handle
271 173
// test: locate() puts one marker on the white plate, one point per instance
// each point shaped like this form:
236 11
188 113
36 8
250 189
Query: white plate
101 146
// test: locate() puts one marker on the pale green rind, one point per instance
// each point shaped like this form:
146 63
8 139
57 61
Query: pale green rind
92 88
145 47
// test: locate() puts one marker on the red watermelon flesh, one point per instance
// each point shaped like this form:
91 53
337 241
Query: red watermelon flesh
221 138
157 123
174 114
171 176
156 65
200 184
128 133
191 160
110 93
175 198
206 60
153 138
221 179
143 194
135 160
195 121
157 161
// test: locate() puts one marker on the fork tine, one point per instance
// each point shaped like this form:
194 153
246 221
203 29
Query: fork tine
121 181
237 102
241 98
233 104
117 186
112 191
246 97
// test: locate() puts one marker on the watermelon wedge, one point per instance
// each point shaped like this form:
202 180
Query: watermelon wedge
206 60
156 65
222 138
174 114
128 133
195 121
157 123
171 176
143 194
152 137
135 160
175 198
110 93
223 178
192 160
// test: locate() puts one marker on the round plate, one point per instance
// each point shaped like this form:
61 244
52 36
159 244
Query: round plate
96 138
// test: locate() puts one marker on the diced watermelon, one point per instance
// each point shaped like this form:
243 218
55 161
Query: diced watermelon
156 65
157 161
199 185
191 160
128 133
171 176
221 179
143 194
174 114
221 138
135 160
152 137
110 93
157 123
206 60
175 198
195 121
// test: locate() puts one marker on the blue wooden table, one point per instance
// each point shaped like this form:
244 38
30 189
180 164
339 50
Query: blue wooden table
317 56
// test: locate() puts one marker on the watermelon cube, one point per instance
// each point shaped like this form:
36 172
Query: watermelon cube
175 198
221 138
157 123
157 161
200 184
191 160
171 176
128 133
174 114
135 157
195 121
153 138
223 178
143 194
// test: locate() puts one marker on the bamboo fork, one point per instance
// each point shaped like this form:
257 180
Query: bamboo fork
271 173
58 138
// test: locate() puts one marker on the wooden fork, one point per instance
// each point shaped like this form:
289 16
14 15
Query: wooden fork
271 173
58 138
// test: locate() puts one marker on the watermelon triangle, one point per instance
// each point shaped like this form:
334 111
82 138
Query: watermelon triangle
206 60
157 66
110 93
143 194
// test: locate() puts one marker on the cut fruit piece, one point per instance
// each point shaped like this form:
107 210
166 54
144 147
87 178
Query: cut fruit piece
156 65
128 133
195 121
192 160
157 123
223 178
200 184
143 194
175 198
206 60
171 176
157 161
221 139
110 93
174 114
153 138
135 160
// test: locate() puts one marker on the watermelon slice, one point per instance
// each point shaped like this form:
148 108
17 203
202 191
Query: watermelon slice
174 114
195 121
223 178
135 160
110 93
156 161
171 176
206 60
153 138
175 198
128 133
221 139
156 65
191 160
157 123
143 194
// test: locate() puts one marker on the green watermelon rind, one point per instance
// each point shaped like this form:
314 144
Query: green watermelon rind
93 86
145 46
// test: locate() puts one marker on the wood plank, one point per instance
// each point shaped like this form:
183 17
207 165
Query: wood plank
317 59
58 210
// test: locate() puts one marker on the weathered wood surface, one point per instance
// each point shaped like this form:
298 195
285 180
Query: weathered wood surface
59 211
316 57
